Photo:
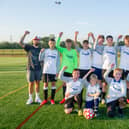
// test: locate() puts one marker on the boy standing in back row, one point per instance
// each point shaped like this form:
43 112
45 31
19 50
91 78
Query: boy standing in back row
124 60
109 57
85 59
69 59
51 61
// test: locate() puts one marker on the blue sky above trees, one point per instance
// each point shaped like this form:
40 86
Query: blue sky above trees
43 17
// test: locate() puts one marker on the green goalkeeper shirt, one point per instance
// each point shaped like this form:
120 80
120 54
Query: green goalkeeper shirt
69 57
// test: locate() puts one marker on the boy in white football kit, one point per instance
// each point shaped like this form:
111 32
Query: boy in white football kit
109 57
116 92
74 87
51 60
85 58
124 60
97 60
92 93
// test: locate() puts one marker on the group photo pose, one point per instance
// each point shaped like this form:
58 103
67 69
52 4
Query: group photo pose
93 72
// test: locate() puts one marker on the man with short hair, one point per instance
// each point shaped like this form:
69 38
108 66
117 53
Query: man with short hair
33 68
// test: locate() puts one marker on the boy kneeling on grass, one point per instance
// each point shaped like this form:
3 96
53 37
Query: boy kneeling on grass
74 87
92 93
116 92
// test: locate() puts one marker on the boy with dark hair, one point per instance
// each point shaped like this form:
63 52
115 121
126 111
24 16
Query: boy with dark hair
109 57
85 56
69 59
85 59
51 61
74 87
34 67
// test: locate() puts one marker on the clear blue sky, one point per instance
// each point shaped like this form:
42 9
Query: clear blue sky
43 17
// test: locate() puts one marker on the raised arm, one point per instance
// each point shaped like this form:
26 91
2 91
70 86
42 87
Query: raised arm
75 41
22 39
86 75
75 59
91 35
61 75
42 55
58 63
59 48
117 47
117 42
119 38
108 79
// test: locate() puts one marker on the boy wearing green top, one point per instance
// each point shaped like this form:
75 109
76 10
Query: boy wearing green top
69 59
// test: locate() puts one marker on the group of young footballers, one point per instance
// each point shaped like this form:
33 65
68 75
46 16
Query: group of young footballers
98 72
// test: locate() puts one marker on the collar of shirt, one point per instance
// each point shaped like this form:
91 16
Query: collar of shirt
117 81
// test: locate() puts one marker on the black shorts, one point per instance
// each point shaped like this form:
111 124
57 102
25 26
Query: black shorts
66 74
69 103
49 78
125 74
98 72
84 72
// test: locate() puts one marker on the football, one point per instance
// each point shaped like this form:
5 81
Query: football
88 113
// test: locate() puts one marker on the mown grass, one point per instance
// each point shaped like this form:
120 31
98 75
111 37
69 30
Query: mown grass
13 109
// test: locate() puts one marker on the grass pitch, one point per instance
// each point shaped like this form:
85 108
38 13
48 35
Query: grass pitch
13 109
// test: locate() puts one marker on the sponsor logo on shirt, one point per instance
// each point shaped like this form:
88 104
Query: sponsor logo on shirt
52 56
127 53
75 89
86 54
69 56
109 52
100 53
116 88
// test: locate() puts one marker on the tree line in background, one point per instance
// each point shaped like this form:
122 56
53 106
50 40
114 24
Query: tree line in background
43 44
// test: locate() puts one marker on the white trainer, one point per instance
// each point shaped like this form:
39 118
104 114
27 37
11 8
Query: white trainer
38 100
29 101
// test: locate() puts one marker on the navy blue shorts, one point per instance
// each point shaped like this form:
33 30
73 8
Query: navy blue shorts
98 72
92 103
34 75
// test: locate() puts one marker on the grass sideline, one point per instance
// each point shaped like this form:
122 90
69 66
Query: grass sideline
12 52
13 109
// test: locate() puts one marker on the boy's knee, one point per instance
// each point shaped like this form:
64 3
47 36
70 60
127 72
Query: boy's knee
68 111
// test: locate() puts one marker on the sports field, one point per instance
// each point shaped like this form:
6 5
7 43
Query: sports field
13 110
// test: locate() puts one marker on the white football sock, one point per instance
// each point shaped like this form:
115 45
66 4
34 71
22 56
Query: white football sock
30 96
37 95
